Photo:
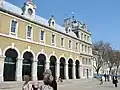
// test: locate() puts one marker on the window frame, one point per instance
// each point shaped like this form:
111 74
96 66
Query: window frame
43 41
54 44
82 36
16 28
63 42
69 44
31 37
76 46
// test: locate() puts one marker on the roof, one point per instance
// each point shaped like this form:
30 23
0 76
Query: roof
17 10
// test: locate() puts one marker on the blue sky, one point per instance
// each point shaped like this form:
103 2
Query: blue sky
101 16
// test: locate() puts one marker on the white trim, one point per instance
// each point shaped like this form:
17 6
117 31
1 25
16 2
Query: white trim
5 49
28 51
16 28
29 41
41 53
29 38
53 44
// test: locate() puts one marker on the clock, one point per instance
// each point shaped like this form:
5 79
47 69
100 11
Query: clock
30 11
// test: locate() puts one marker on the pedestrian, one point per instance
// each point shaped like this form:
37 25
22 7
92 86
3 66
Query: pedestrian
54 84
108 77
101 79
47 80
27 85
115 80
105 77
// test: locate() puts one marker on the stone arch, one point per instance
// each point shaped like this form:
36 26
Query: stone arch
5 49
53 60
62 67
41 65
11 56
27 50
41 53
70 68
77 65
28 57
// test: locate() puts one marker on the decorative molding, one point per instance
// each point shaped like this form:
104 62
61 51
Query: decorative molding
29 41
29 48
53 52
8 47
13 45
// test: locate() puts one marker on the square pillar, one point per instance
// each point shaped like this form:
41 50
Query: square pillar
1 68
57 70
19 69
34 70
47 64
81 71
66 71
74 71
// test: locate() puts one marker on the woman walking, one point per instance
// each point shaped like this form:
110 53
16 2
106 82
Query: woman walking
47 80
27 85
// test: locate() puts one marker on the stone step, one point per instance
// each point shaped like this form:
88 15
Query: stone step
6 85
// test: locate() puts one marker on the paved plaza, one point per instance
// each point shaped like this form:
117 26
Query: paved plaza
82 84
89 85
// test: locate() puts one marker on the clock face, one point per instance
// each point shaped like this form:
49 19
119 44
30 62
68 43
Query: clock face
30 11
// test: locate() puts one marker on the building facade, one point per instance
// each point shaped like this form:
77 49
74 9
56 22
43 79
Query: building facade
30 44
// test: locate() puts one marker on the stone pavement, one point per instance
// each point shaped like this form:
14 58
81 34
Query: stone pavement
89 85
82 84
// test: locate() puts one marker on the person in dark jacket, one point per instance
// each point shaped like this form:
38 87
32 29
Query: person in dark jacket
54 84
115 81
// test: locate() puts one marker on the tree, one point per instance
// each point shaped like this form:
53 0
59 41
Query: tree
109 56
117 59
98 61
98 52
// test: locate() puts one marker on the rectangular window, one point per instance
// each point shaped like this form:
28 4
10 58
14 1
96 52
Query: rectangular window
70 44
85 48
81 35
88 38
82 47
53 39
42 35
13 26
86 62
90 62
88 49
62 42
83 61
85 37
29 32
83 72
76 46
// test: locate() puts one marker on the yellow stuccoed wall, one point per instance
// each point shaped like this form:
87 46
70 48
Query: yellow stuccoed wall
36 48
22 45
4 23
